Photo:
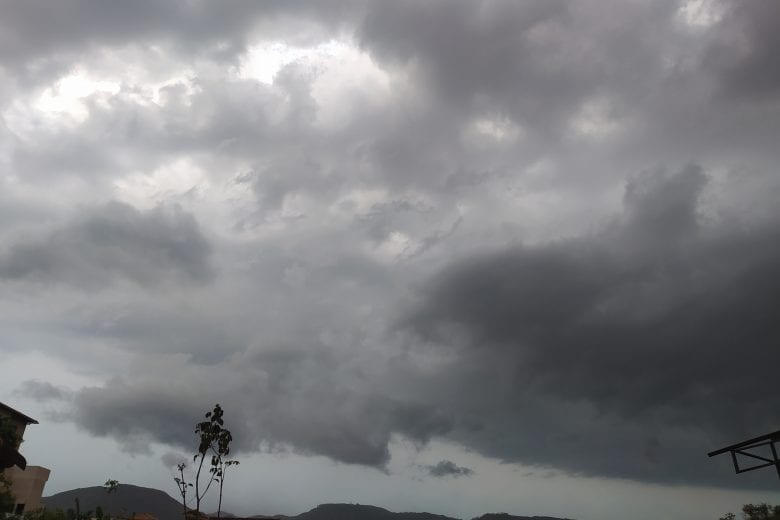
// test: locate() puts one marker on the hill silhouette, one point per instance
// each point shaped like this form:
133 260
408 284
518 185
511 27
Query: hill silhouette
506 516
361 512
129 499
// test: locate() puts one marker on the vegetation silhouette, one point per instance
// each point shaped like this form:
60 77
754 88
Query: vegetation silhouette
756 512
214 444
9 456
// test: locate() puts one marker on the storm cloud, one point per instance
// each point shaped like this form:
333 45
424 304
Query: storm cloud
544 232
619 354
277 400
113 241
634 333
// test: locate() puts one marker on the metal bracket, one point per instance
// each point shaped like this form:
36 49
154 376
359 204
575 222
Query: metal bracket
744 448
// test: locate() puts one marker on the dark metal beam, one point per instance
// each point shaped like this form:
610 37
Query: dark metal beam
770 437
741 448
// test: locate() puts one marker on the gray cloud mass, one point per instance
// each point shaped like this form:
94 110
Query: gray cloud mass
113 241
545 232
617 354
41 391
632 330
447 468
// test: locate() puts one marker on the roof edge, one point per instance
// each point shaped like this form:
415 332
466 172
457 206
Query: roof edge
17 413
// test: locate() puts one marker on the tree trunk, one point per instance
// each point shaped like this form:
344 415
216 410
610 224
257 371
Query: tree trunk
197 488
219 505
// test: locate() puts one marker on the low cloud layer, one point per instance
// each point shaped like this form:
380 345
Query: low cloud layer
275 400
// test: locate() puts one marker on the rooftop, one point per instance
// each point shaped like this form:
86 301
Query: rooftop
4 408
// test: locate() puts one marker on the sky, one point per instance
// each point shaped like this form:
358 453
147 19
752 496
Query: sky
453 256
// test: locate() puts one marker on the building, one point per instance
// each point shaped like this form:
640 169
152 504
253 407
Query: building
27 482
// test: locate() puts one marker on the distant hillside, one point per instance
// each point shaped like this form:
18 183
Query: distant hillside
361 512
127 499
505 516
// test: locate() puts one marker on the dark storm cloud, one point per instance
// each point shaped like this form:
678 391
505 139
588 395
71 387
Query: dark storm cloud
558 74
447 468
110 241
279 399
672 89
533 61
627 353
130 416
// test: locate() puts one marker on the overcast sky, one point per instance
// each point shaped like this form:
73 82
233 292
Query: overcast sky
454 256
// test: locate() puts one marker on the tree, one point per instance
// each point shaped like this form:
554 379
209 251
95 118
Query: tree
45 514
8 437
111 486
761 512
756 512
214 443
223 467
182 484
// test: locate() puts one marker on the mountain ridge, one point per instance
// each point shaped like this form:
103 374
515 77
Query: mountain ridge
129 498
125 500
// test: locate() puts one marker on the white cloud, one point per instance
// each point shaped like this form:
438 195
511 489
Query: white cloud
701 14
65 98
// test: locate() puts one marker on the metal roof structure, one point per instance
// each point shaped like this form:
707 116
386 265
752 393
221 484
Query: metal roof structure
754 449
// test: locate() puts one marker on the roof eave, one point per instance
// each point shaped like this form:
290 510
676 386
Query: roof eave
17 413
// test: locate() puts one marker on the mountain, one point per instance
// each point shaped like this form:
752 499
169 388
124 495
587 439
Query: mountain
130 499
126 500
505 516
361 512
